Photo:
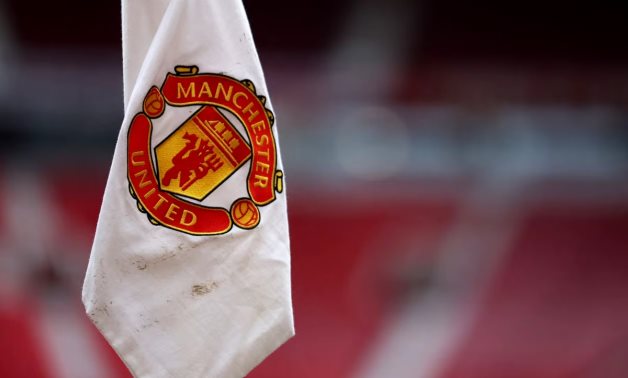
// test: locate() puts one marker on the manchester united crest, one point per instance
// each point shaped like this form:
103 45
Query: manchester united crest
229 128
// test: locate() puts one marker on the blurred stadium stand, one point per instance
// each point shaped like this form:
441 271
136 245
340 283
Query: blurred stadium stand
457 175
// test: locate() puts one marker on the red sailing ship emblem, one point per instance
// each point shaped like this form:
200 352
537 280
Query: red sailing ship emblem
171 181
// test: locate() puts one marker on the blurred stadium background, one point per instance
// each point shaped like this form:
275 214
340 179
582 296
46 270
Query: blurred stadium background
457 175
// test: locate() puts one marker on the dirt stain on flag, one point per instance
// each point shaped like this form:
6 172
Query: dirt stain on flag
142 263
203 288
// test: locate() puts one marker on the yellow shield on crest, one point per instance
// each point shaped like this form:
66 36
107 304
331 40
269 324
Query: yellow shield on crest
200 154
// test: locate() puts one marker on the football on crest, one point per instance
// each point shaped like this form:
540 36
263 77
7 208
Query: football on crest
154 103
245 214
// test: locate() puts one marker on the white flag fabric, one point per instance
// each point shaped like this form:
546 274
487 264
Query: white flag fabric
189 274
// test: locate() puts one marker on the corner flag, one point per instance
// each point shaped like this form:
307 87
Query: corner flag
189 274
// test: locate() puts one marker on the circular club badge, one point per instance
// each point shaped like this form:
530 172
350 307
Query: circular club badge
202 153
